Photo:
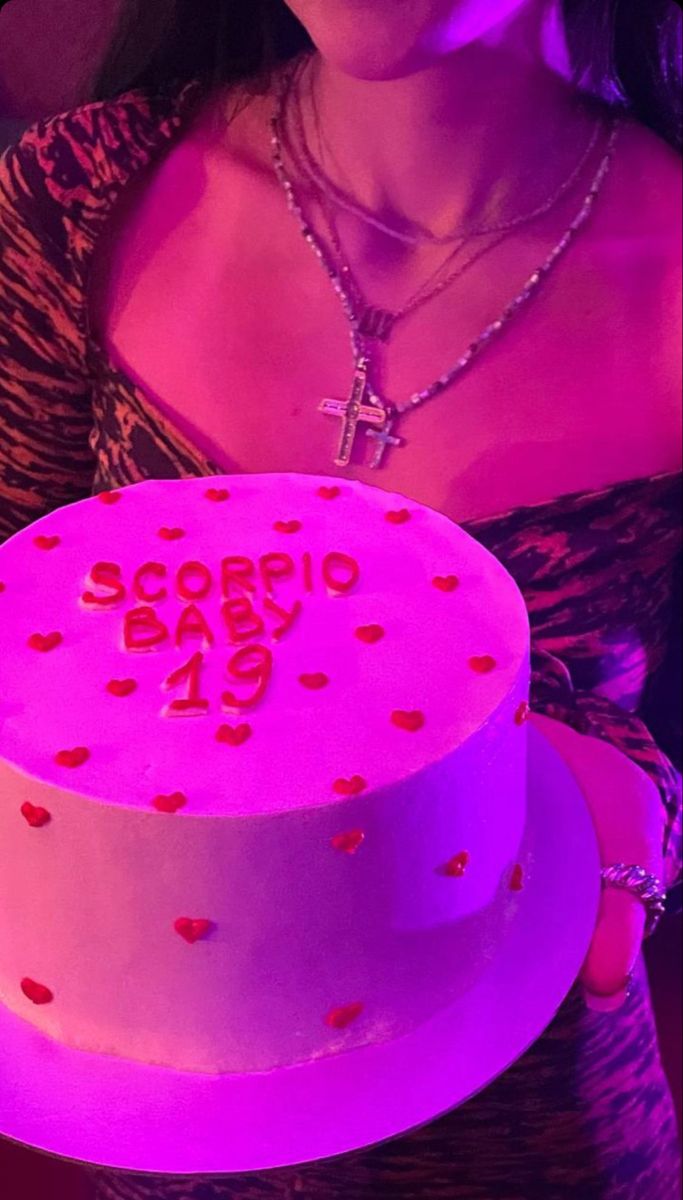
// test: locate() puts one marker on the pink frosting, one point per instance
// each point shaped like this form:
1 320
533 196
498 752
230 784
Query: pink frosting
328 920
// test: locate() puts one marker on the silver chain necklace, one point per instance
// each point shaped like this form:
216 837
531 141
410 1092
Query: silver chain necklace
373 322
459 234
377 322
364 406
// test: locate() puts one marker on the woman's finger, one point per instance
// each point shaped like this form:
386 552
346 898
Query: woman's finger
615 946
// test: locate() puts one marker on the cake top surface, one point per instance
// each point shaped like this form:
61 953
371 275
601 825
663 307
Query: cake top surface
248 644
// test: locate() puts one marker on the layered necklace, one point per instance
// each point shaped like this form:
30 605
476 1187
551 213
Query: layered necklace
365 408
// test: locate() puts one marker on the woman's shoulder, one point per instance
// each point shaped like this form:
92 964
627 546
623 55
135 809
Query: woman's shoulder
631 257
72 161
651 150
646 187
635 235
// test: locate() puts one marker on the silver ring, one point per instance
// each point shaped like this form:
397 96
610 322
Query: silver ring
645 887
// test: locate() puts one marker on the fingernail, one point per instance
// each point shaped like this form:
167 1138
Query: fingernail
605 1004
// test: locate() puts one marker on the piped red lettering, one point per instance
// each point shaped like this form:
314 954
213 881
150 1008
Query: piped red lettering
286 616
107 575
307 561
340 571
142 629
194 703
275 566
149 568
239 571
192 624
259 672
243 623
193 581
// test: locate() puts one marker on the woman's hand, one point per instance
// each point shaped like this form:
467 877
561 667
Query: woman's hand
629 821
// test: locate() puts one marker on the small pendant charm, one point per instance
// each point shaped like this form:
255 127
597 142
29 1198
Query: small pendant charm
376 323
383 439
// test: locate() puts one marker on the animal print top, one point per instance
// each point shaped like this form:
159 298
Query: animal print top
601 575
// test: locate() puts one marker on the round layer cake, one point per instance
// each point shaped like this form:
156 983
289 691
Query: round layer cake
262 768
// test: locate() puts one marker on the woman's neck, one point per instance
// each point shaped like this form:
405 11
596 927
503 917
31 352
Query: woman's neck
488 123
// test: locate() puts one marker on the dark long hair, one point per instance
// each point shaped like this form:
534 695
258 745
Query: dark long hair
628 52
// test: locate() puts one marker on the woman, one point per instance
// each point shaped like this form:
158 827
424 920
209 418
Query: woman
161 316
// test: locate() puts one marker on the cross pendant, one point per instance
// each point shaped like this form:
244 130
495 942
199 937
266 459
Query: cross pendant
383 439
353 411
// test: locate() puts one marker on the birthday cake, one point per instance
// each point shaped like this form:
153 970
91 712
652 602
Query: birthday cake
262 769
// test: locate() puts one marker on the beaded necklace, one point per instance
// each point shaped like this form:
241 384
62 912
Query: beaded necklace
364 406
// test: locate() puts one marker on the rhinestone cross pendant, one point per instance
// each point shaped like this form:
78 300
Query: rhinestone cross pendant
354 411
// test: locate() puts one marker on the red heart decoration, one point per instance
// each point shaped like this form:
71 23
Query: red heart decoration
398 518
522 713
348 842
46 543
287 526
171 535
109 497
482 663
34 815
328 493
192 928
233 735
369 633
349 787
170 804
446 583
411 721
44 641
72 758
121 687
455 867
517 878
37 992
217 494
339 1018
2 586
316 680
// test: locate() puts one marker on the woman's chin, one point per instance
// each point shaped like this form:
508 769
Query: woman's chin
370 60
